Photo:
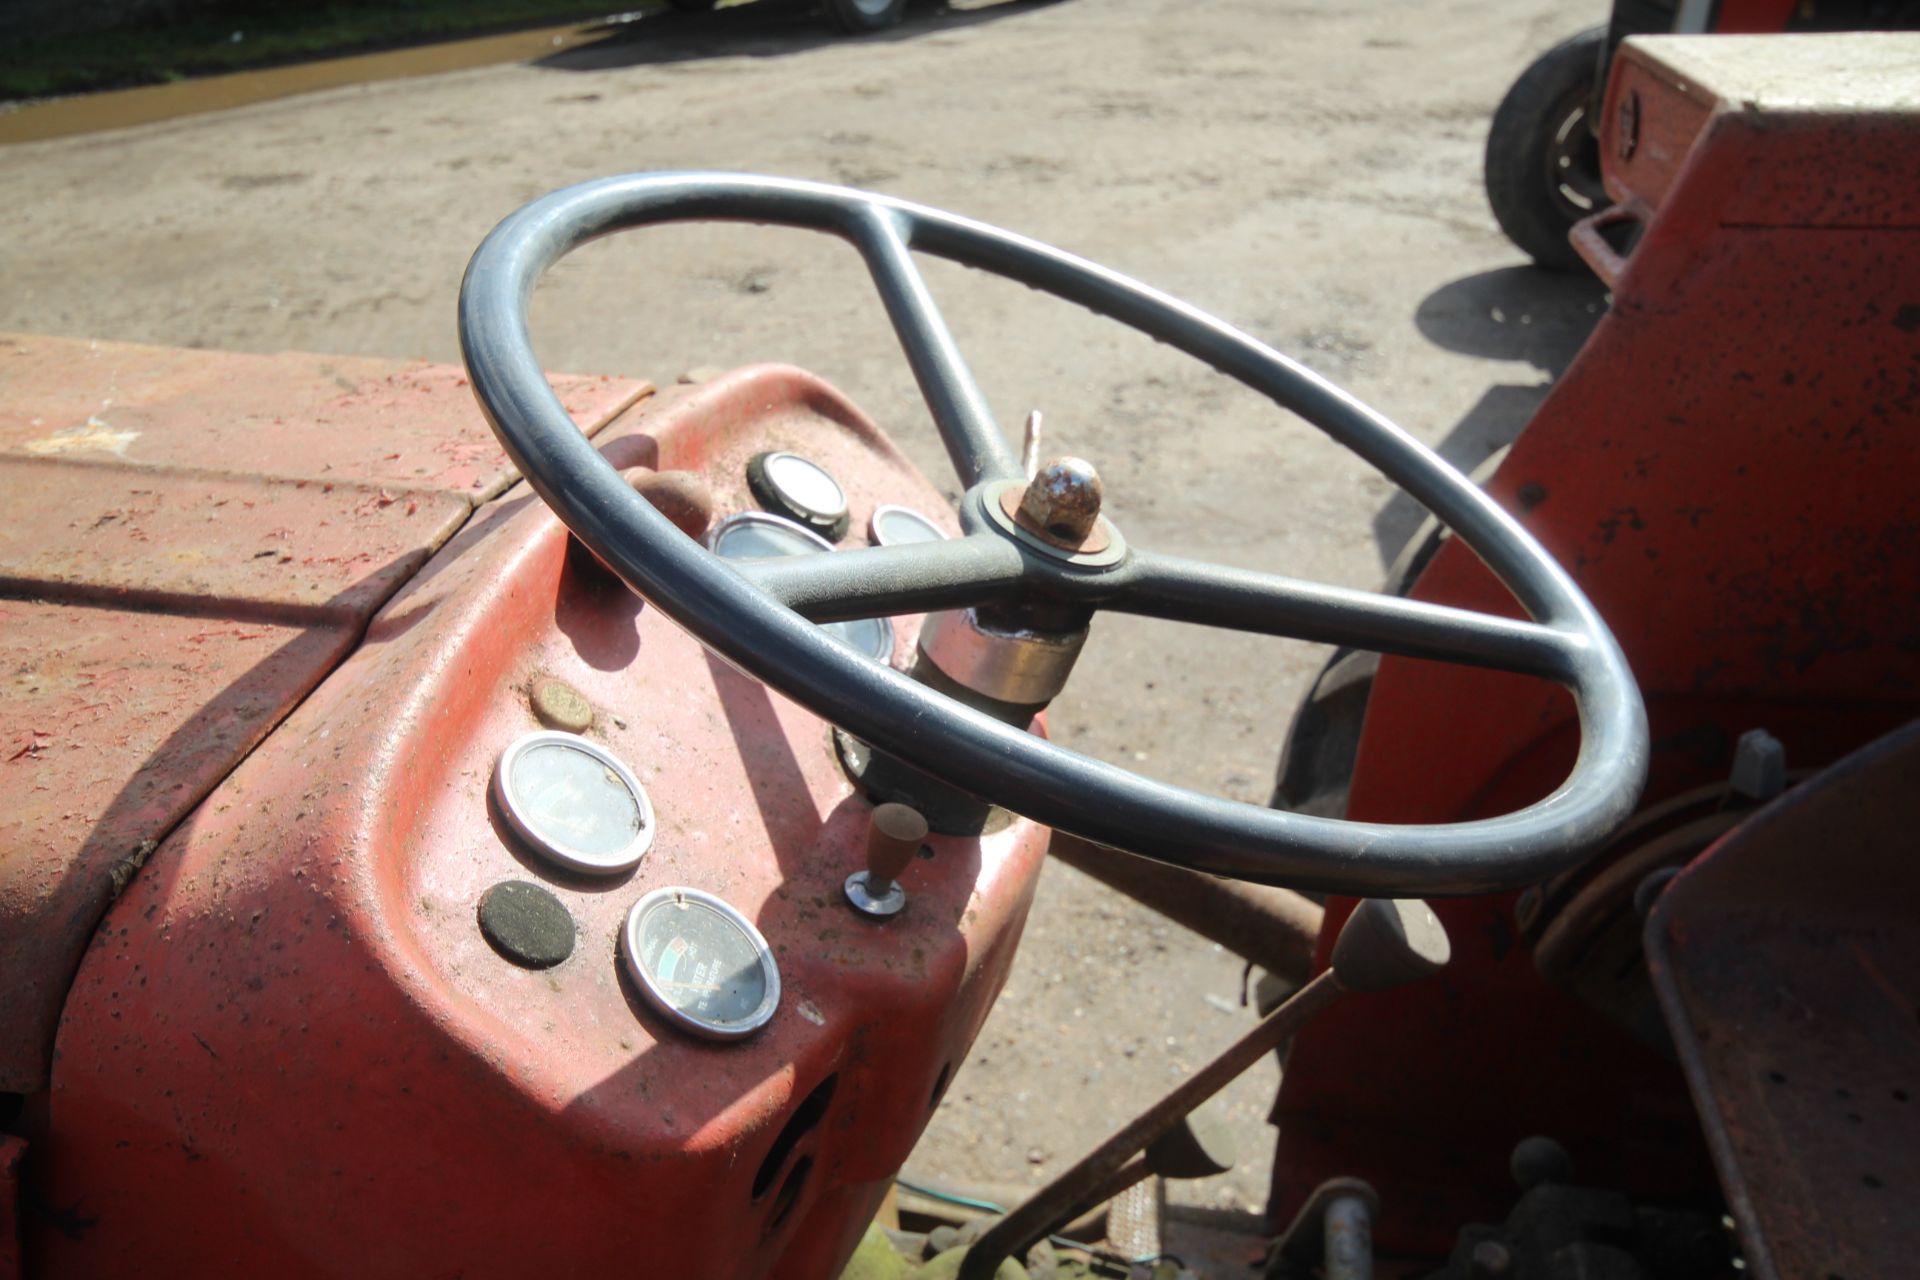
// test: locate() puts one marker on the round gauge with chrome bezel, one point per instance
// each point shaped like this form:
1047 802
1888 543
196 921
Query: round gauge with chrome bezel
799 489
892 525
574 802
755 535
700 963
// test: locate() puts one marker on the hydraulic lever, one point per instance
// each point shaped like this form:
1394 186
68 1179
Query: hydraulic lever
1385 943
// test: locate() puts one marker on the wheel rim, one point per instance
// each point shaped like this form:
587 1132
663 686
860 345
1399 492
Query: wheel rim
1573 164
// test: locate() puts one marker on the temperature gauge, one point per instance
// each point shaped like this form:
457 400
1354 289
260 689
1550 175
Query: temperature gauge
700 963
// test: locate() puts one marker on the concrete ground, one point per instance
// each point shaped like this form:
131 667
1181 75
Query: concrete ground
1307 170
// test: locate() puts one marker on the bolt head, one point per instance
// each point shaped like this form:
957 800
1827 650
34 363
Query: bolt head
1062 500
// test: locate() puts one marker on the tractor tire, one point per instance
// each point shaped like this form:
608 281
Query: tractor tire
857 17
1323 742
1543 160
1316 764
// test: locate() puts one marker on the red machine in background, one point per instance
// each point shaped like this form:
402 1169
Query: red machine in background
1729 469
1543 170
390 890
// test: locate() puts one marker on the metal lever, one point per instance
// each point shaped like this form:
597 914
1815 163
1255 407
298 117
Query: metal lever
1384 944
894 835
1200 1145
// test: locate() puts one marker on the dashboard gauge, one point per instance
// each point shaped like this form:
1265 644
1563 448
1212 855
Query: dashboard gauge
753 535
573 802
700 963
800 490
892 526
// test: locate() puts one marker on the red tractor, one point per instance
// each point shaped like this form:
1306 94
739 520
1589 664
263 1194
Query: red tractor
1543 169
591 845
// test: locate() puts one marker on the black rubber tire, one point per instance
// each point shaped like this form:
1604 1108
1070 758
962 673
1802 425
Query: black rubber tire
856 17
1323 741
1540 122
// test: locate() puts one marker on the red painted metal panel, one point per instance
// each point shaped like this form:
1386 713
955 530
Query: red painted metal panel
1727 470
178 567
292 1026
118 722
342 418
1655 118
1786 958
1756 16
239 545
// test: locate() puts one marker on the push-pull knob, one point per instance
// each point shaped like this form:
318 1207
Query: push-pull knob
894 835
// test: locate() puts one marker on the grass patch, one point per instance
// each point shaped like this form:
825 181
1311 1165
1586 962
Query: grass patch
268 35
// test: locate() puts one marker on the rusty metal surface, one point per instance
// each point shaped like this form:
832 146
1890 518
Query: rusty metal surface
191 541
1787 959
291 1028
1727 470
1274 928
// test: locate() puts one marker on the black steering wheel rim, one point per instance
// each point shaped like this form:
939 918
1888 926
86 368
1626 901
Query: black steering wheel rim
741 618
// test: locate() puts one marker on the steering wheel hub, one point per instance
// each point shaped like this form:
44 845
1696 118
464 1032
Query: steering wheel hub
1004 504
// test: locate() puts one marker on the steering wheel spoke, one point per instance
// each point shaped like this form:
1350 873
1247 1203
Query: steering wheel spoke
868 582
1182 590
974 440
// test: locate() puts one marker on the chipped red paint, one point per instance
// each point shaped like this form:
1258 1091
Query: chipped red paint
290 1050
192 540
1727 469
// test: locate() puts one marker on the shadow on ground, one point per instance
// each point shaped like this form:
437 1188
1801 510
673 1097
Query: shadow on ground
764 29
1523 314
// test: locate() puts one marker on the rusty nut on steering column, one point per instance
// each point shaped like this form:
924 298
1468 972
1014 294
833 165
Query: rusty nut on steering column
1061 505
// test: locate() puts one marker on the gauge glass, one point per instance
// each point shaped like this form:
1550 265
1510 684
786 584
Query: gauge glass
700 963
893 526
752 535
805 485
574 802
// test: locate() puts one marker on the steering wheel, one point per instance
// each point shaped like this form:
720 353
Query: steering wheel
760 616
